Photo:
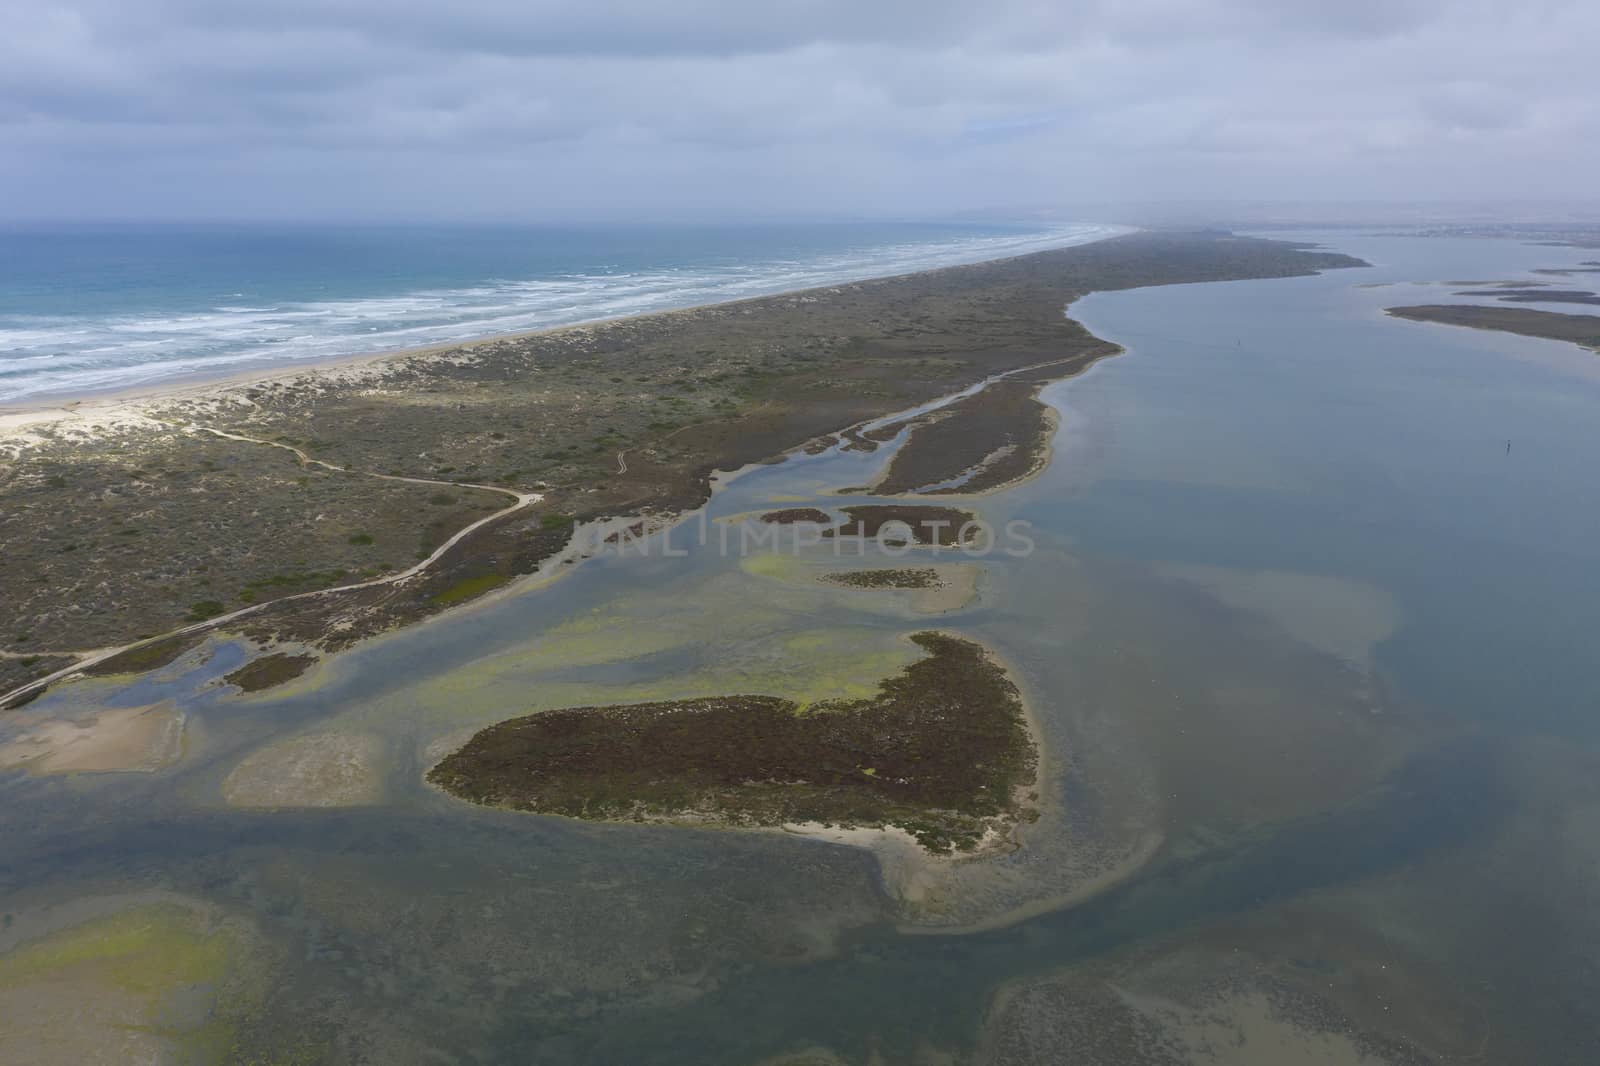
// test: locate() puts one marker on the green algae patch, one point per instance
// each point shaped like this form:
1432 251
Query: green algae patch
942 751
160 982
469 588
773 565
808 667
146 952
270 670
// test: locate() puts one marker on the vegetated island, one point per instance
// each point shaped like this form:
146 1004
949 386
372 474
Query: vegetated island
1527 294
1550 325
269 670
790 516
920 525
943 752
914 577
304 499
984 442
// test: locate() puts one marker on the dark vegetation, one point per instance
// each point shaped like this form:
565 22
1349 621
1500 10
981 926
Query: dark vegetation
25 668
166 528
978 444
940 527
1551 325
924 577
270 670
942 751
119 537
1519 294
151 655
793 515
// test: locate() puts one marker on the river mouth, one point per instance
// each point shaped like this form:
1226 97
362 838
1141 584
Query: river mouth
1275 722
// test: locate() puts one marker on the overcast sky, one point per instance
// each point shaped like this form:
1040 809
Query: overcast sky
707 108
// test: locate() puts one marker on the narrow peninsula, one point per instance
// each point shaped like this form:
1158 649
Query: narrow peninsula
311 509
1550 325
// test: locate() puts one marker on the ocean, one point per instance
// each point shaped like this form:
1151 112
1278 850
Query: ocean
93 308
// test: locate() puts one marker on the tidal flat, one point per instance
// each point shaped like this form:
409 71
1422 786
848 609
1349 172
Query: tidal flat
1292 770
192 504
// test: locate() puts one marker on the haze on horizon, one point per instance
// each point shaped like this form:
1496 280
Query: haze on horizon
539 110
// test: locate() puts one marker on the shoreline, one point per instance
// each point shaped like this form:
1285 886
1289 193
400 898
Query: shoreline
683 394
18 414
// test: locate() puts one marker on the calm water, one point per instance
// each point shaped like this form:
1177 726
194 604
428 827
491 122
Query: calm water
100 307
1315 647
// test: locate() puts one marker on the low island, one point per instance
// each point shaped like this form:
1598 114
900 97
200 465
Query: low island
1550 325
943 751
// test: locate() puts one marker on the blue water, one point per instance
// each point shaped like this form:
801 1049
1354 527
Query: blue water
1414 831
1445 465
102 307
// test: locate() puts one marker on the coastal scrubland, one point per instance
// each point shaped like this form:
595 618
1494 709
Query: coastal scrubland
986 441
1551 325
942 751
124 529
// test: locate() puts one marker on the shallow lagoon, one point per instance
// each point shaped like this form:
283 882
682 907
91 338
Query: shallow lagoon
1306 644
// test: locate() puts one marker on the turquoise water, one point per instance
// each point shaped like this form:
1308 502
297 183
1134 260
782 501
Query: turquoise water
1296 619
86 308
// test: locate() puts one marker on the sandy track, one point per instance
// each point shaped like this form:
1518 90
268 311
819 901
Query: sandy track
521 500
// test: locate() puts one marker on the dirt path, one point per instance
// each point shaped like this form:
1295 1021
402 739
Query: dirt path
306 459
521 500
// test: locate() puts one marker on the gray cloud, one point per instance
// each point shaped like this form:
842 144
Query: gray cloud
542 109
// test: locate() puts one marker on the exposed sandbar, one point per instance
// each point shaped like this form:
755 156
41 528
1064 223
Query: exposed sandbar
142 739
319 770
